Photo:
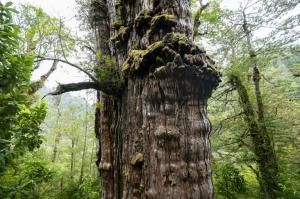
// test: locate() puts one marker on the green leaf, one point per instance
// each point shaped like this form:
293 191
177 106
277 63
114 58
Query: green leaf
8 4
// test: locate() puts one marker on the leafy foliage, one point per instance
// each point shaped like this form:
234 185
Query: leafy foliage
276 57
19 120
43 34
229 181
25 179
88 189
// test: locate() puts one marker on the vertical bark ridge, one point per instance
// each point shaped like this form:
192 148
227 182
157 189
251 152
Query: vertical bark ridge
155 136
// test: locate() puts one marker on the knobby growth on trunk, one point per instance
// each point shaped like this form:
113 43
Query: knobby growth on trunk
153 128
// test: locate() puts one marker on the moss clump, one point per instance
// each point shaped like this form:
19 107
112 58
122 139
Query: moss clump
180 42
167 134
120 12
175 55
138 158
157 54
143 20
134 60
147 20
296 70
162 22
118 24
122 35
175 38
106 72
139 58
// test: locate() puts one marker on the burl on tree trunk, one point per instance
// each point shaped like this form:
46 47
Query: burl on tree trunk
154 131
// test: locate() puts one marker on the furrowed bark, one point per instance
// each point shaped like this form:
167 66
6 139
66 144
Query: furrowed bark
154 137
104 124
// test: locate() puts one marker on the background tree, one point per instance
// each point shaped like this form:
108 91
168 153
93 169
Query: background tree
251 47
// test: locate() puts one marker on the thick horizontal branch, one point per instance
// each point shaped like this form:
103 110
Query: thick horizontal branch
69 63
110 88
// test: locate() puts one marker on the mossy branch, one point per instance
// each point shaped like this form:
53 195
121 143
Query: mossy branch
35 86
197 20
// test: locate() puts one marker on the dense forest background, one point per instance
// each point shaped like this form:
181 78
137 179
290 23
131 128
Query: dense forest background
47 141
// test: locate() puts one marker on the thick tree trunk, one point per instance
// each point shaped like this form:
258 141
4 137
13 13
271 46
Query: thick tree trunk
154 136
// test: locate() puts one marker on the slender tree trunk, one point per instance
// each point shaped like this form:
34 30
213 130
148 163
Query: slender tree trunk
72 160
55 148
58 134
61 184
92 157
84 144
154 136
268 166
264 148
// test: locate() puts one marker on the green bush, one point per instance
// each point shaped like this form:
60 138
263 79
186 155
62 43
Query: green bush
228 181
88 189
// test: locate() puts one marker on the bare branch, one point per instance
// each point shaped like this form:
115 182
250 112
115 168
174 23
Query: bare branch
69 63
90 49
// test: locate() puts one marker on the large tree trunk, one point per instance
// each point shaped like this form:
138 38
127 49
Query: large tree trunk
154 135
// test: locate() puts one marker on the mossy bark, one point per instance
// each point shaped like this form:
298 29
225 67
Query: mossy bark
154 136
261 137
261 140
